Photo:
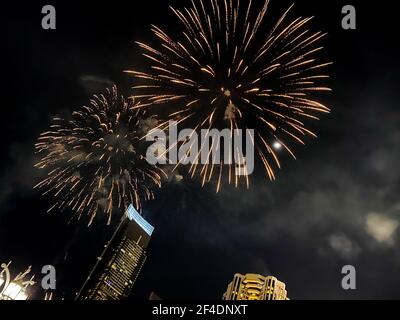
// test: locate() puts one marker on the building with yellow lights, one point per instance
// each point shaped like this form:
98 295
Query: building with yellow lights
255 287
118 267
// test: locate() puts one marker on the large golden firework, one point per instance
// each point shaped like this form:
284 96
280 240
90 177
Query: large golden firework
93 161
230 67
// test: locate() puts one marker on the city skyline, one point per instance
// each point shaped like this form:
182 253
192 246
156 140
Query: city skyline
336 205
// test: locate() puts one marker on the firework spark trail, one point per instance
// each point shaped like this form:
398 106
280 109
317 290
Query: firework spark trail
92 160
222 71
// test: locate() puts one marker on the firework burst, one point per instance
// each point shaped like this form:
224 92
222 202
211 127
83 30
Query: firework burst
229 68
93 161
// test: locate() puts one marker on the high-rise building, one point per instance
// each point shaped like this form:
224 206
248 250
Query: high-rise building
119 265
255 287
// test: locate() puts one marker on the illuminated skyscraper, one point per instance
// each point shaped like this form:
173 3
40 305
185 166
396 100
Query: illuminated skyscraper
118 267
255 287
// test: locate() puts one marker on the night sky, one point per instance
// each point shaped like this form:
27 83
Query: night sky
338 204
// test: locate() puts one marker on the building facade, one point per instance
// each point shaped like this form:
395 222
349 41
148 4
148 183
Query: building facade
255 287
118 267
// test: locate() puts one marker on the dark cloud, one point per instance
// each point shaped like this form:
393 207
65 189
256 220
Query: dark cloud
94 84
18 176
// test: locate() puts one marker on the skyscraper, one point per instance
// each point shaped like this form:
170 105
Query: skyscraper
119 265
255 287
